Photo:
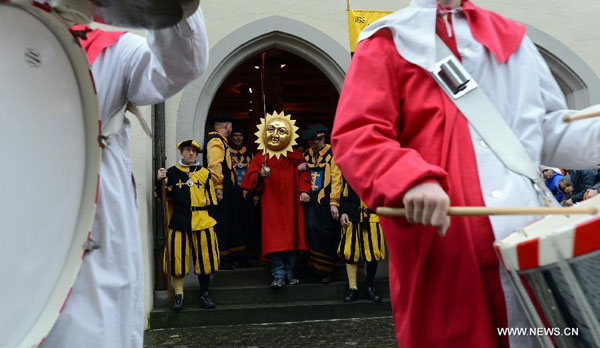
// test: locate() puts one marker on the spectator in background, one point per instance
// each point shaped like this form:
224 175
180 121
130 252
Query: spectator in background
592 192
553 177
595 189
217 158
322 212
575 187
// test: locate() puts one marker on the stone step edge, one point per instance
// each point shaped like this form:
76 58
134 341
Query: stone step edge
274 323
196 287
270 305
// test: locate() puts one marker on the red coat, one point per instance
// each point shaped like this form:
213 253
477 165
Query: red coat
282 211
394 129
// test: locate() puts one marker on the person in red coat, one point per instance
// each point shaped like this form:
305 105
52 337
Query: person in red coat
274 174
401 142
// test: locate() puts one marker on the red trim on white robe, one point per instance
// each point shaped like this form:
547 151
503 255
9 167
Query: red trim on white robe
97 40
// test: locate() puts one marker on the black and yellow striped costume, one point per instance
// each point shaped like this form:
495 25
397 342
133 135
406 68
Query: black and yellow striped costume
363 238
322 231
191 197
217 158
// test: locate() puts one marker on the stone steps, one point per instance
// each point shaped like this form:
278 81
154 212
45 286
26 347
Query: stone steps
244 296
267 313
262 276
226 295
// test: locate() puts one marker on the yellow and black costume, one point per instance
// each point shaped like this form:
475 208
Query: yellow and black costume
217 159
245 211
191 197
361 240
322 231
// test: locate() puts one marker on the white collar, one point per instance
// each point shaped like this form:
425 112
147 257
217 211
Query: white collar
197 163
413 31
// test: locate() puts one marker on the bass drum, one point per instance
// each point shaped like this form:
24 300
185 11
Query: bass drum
554 265
50 165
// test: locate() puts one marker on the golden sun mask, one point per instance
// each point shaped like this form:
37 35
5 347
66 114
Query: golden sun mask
276 134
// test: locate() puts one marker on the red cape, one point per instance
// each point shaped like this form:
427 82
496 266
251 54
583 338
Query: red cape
282 211
394 128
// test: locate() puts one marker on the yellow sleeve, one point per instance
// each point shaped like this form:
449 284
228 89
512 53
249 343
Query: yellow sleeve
215 154
336 184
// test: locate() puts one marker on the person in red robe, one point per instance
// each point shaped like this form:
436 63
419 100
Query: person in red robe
401 142
282 188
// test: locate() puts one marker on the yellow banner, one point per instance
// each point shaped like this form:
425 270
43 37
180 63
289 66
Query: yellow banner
358 20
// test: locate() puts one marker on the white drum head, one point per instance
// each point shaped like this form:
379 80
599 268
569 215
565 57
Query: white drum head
50 165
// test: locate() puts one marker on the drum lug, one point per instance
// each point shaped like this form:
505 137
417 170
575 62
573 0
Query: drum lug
90 245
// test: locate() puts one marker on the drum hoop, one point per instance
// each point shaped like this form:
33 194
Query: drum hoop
539 244
87 210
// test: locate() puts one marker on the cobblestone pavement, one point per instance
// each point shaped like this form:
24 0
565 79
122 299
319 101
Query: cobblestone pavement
368 332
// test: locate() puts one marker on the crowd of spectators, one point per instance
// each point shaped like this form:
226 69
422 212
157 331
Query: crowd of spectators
569 186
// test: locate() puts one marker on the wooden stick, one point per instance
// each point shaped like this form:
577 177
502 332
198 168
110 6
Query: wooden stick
348 5
167 251
581 116
485 211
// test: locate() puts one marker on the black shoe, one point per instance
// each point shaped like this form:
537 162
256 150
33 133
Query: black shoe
291 280
206 302
326 280
178 303
371 295
277 283
351 296
226 266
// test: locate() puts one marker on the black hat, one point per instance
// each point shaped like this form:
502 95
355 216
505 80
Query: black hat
238 129
222 118
314 131
193 143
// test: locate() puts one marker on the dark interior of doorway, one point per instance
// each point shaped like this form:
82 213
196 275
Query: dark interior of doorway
275 80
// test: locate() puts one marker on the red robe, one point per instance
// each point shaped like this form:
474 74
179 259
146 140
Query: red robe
394 129
282 211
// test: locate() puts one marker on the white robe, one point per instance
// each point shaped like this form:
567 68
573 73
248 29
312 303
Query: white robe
105 308
527 96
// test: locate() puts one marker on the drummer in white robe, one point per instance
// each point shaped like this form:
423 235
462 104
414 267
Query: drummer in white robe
105 307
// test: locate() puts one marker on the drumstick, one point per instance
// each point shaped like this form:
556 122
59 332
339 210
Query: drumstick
166 232
581 116
485 211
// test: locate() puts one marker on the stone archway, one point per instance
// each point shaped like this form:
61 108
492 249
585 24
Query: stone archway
576 79
272 32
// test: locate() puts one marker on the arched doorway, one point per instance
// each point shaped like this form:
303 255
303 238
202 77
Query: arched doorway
286 34
275 80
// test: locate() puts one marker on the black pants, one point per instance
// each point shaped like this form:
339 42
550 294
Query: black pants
322 235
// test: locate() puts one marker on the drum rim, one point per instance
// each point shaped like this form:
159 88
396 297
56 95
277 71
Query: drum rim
91 121
540 250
